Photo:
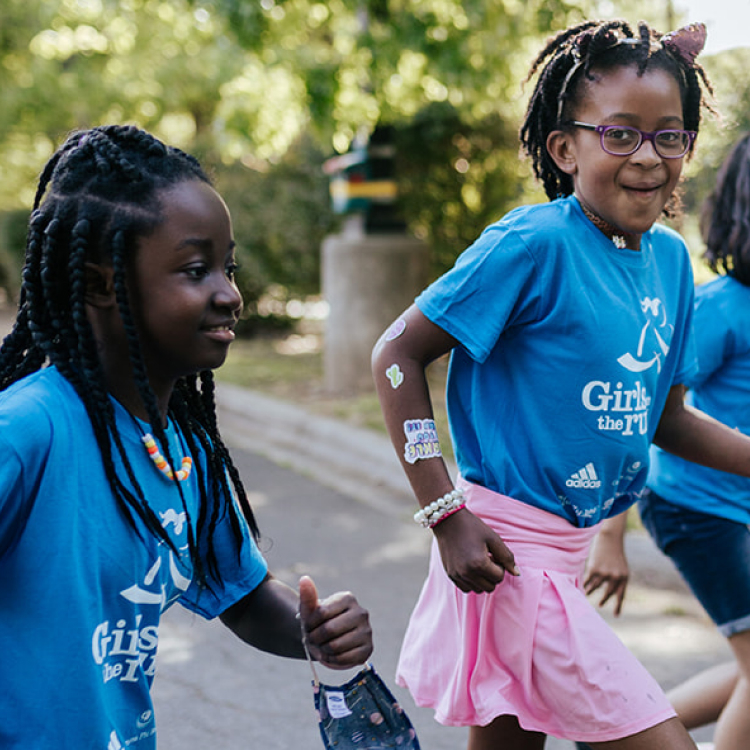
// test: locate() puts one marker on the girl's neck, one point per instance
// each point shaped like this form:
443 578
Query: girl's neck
619 238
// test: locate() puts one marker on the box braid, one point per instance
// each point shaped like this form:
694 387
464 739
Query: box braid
725 216
96 196
567 62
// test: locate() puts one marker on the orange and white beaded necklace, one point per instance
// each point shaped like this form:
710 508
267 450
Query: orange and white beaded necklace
160 462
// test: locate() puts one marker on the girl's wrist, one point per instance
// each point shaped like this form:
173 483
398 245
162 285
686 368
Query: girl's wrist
439 509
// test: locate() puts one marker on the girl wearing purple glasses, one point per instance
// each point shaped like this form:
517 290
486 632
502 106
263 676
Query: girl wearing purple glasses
568 325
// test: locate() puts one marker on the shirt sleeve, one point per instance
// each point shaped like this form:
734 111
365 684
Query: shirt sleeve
25 439
494 285
237 573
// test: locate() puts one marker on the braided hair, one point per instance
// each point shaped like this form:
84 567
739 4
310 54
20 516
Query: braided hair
725 216
96 197
567 63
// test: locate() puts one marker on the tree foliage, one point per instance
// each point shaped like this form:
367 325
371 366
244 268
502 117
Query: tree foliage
263 90
363 62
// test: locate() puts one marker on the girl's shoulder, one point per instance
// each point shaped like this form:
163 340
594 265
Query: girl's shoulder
534 226
667 234
725 296
32 405
558 211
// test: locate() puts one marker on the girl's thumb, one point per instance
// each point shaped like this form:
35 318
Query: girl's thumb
308 596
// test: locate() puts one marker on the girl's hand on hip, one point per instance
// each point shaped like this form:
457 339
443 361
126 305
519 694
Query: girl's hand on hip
474 556
338 629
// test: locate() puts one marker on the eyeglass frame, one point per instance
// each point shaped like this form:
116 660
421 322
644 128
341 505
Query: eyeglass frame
644 136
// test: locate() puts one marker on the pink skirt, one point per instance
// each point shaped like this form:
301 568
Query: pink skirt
534 648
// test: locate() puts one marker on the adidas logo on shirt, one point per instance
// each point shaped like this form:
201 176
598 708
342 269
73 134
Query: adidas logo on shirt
585 478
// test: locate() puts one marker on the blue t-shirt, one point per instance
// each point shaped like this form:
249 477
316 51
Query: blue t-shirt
568 349
721 388
81 592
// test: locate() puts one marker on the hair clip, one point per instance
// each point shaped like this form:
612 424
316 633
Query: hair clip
687 42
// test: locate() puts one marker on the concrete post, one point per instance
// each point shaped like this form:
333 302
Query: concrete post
367 280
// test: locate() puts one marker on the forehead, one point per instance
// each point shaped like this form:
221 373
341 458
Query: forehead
192 204
653 95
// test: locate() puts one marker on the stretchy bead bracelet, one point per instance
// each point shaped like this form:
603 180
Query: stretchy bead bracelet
439 509
442 518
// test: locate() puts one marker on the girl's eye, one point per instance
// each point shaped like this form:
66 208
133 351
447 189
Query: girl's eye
621 135
231 270
669 137
196 272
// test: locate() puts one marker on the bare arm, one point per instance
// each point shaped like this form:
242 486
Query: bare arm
474 557
607 565
694 436
338 628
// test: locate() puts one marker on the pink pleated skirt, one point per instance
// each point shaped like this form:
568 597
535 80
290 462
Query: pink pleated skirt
534 648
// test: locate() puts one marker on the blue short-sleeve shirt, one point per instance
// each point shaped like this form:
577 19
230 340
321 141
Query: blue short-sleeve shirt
721 388
568 349
81 592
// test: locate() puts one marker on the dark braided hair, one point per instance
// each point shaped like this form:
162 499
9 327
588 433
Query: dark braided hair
96 197
567 63
725 216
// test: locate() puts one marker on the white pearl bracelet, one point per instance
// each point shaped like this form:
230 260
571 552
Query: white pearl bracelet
438 509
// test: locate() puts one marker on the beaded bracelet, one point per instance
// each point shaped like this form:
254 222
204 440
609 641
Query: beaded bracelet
439 509
442 518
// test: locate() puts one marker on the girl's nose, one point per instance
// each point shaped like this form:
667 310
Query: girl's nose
228 295
646 154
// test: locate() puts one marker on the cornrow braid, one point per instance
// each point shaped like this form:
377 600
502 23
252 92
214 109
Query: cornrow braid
567 63
96 196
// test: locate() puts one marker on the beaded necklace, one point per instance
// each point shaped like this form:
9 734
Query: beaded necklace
160 462
617 237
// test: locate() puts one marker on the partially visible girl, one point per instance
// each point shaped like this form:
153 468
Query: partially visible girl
699 516
117 495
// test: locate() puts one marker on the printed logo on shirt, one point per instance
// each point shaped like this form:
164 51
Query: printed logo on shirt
651 344
585 478
148 594
115 743
623 405
125 649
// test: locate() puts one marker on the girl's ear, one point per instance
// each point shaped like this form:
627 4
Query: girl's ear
100 285
561 147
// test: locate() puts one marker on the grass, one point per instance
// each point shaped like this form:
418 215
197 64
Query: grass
291 368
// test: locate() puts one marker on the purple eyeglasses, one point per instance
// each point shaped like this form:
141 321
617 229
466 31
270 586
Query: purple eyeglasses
623 140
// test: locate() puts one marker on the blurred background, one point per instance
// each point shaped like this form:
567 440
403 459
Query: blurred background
266 92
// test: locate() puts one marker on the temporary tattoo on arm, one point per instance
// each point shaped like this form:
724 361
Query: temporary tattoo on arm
394 374
421 440
396 329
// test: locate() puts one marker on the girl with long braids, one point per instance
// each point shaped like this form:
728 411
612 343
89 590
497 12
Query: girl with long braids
568 325
117 494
